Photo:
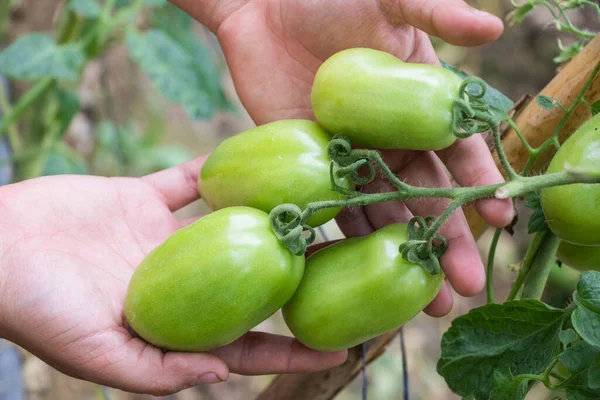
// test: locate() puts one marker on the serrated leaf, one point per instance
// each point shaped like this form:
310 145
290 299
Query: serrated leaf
567 337
581 359
586 317
171 70
545 102
499 104
86 8
36 56
519 336
505 386
537 221
596 108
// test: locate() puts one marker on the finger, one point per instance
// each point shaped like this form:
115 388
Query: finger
353 222
258 353
453 21
316 247
471 164
140 367
442 304
178 185
461 261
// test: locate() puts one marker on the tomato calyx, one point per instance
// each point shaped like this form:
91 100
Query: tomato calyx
419 249
471 114
288 223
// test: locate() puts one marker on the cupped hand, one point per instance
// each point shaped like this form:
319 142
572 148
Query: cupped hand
274 48
68 248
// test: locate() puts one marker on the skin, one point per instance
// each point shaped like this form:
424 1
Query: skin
573 211
70 244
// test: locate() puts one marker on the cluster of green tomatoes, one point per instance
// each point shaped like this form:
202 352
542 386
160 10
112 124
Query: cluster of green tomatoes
214 280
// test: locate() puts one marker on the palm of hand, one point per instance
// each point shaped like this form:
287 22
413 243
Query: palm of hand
71 304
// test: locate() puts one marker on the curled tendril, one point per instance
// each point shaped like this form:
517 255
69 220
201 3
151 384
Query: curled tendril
287 223
468 108
347 162
419 250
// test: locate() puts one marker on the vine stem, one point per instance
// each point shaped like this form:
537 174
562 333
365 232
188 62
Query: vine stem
532 250
543 262
489 279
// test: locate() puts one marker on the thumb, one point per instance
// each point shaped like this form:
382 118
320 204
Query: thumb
143 368
453 21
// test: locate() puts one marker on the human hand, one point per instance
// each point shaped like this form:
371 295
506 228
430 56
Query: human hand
68 248
273 50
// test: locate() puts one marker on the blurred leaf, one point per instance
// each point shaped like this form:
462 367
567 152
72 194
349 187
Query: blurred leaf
547 103
149 3
537 221
68 107
596 108
177 24
62 160
157 159
36 55
500 104
586 317
522 11
171 70
86 8
517 336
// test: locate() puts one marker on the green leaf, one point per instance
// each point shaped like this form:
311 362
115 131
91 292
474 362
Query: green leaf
505 386
68 107
522 11
586 317
36 56
62 160
583 361
517 336
567 337
498 102
86 8
567 53
596 108
149 3
547 103
157 159
172 71
537 221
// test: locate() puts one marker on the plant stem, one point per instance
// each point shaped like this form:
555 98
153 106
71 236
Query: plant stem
489 279
13 134
529 256
40 88
543 262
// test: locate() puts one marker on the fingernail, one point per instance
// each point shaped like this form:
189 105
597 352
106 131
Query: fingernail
211 377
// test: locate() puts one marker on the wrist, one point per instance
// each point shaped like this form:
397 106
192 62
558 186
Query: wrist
210 13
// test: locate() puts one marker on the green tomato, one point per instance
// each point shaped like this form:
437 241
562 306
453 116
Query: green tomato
211 282
357 289
378 101
280 162
573 211
582 258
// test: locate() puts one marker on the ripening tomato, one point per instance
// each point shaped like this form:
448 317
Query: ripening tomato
378 101
582 258
280 162
357 289
573 211
211 282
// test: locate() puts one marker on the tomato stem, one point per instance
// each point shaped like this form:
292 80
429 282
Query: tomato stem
489 278
543 262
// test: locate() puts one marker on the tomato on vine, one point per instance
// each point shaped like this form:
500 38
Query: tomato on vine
211 282
280 162
582 258
357 289
378 101
573 211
